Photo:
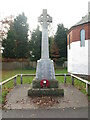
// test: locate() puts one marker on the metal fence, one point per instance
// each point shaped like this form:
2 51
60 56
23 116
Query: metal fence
65 80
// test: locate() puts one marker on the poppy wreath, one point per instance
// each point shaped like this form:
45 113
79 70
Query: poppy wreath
44 83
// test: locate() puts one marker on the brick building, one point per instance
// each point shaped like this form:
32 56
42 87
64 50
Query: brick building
78 46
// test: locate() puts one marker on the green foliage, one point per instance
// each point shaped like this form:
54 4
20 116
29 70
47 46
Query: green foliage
21 30
16 44
77 83
8 86
61 40
53 49
60 61
88 98
9 73
35 45
9 44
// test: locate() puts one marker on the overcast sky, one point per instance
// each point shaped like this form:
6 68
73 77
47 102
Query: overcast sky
68 12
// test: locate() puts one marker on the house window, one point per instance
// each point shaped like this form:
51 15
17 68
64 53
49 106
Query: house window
69 42
82 38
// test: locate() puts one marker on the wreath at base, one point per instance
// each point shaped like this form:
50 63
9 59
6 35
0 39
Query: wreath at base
44 83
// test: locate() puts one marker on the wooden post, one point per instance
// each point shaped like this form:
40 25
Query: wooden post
64 78
72 80
15 81
21 79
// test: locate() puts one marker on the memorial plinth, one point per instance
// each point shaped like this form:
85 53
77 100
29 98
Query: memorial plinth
45 82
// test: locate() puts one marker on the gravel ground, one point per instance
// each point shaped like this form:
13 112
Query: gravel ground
18 99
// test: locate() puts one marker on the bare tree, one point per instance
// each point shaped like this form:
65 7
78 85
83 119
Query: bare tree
5 25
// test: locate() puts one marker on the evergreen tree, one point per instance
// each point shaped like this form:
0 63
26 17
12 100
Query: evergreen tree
16 43
9 44
54 51
61 40
35 44
21 30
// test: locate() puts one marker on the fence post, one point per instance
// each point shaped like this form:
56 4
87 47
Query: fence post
15 81
72 80
21 79
88 89
64 78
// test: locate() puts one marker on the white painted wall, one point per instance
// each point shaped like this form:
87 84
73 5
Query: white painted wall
89 57
78 60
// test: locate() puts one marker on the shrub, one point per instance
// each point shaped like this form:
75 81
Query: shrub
60 61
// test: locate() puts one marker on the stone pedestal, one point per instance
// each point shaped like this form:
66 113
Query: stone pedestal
45 92
45 69
52 84
52 90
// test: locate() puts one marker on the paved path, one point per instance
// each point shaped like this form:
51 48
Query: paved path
47 113
73 104
18 99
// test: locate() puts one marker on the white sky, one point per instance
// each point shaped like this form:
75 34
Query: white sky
68 12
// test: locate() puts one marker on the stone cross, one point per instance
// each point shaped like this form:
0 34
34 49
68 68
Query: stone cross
45 19
45 66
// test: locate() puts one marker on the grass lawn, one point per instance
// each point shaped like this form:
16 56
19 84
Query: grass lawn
8 74
26 79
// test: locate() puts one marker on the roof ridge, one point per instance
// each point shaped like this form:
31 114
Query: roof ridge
84 19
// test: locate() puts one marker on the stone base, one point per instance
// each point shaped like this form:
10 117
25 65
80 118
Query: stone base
45 92
53 84
52 90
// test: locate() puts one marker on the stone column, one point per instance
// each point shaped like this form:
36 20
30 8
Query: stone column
45 47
